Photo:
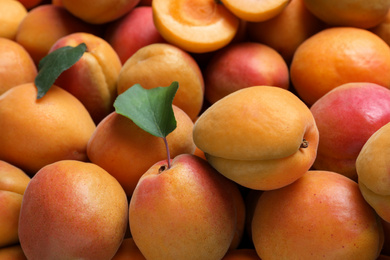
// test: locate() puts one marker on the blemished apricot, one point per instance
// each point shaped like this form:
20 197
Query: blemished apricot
126 151
372 166
72 210
195 26
93 78
338 55
322 215
16 65
11 15
167 63
35 133
261 137
44 25
354 13
100 12
296 23
255 11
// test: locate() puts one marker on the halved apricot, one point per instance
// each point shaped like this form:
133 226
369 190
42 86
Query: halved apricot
255 10
195 26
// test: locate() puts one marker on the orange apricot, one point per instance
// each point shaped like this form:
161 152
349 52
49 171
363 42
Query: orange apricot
11 15
44 25
16 65
322 215
195 26
99 12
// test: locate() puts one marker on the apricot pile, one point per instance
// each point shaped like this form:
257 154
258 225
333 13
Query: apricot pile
280 148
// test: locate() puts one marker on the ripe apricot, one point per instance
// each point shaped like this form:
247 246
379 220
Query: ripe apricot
93 78
11 15
126 151
261 137
322 215
195 26
354 13
44 25
255 11
336 56
35 132
16 65
100 12
296 23
72 210
158 65
242 65
340 115
372 166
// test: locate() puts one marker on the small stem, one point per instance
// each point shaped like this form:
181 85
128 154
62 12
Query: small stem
304 143
168 154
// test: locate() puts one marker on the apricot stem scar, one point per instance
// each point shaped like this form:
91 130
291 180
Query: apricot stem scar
304 143
162 168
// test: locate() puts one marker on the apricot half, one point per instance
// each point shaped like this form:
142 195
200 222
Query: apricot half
261 137
195 26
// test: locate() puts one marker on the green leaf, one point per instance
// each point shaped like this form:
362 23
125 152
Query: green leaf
52 65
150 109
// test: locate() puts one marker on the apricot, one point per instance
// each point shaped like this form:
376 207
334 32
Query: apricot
126 151
13 183
12 178
100 12
11 15
340 115
261 137
35 133
72 210
322 215
183 212
133 31
10 203
44 25
195 26
241 65
336 56
255 11
295 21
372 166
93 78
16 65
352 13
158 65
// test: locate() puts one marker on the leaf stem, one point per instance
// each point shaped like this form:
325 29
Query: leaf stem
168 154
